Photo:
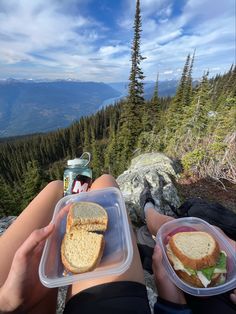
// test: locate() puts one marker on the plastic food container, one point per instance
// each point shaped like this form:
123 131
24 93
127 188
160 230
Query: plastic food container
118 251
196 224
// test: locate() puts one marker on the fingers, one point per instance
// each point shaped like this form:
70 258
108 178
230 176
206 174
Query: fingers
233 296
157 254
35 238
61 214
157 266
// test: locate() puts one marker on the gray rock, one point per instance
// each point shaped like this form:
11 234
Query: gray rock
159 170
5 222
61 297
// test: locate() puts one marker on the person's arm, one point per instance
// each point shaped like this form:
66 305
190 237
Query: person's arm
22 288
170 299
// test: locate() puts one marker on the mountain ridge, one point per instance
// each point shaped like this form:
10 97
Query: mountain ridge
30 106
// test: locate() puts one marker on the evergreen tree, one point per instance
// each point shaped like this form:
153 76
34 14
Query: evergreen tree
111 153
136 86
180 98
8 199
155 97
187 93
133 108
33 181
202 106
96 157
155 105
86 143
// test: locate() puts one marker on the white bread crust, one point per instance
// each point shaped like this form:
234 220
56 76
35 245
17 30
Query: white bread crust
198 243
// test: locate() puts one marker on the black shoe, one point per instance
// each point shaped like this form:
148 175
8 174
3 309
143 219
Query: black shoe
145 197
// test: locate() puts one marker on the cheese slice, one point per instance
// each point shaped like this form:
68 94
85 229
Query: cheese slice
178 265
203 279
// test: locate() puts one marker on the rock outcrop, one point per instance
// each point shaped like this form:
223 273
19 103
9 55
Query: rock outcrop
160 171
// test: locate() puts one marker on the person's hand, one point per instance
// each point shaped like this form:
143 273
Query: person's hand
233 296
165 287
22 288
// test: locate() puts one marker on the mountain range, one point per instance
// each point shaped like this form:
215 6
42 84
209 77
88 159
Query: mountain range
28 106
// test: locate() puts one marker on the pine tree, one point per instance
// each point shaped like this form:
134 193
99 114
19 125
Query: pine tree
133 108
96 158
136 86
86 143
155 97
187 93
202 107
33 181
111 153
155 105
8 202
180 98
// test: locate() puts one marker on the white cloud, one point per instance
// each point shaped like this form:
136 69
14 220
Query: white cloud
53 41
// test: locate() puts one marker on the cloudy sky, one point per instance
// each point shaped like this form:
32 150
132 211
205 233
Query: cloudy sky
91 39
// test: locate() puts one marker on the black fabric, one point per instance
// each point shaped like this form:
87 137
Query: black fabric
166 307
213 213
111 298
218 304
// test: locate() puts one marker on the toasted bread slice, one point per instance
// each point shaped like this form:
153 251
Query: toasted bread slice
88 216
195 250
81 251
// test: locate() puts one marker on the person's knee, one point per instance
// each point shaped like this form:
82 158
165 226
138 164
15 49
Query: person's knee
55 185
104 181
106 176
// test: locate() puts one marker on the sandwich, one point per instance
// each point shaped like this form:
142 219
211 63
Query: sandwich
197 259
88 216
83 243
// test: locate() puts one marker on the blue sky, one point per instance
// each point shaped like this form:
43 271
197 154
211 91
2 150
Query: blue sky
90 40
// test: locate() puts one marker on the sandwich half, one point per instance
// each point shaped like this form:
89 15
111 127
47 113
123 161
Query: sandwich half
83 243
197 259
88 216
81 251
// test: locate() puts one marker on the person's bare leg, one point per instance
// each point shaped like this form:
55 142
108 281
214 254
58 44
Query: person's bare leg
135 271
36 215
154 220
104 181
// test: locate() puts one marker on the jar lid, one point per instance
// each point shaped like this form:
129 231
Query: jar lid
76 162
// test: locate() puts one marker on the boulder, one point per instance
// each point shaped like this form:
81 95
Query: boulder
160 171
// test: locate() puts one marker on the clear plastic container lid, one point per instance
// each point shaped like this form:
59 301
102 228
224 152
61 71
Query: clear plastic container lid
196 224
118 251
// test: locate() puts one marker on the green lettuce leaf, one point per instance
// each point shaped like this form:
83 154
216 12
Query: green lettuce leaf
208 272
221 263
